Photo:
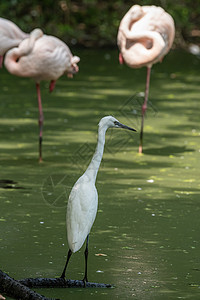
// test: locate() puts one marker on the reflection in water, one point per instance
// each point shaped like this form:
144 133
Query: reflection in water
9 184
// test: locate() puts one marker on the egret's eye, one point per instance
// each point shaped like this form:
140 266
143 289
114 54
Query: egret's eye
115 122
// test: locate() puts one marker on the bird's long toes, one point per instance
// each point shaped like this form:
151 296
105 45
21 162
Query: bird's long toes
62 276
85 280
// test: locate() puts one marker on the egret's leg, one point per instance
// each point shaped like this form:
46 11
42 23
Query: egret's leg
85 279
1 60
144 107
68 258
40 120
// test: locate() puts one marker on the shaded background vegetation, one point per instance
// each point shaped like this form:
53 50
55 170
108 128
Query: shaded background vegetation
148 218
95 23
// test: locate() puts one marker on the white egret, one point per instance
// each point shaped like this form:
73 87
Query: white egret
83 199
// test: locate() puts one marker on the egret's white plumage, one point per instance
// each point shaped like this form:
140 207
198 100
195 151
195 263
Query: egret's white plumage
83 199
81 211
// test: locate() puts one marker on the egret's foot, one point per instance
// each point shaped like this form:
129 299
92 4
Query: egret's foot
85 280
63 275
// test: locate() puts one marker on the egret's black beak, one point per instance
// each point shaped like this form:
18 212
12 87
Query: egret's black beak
123 126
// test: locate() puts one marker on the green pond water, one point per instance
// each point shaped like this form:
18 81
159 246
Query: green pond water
148 218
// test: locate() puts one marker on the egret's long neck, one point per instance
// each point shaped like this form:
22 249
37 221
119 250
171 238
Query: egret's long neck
97 157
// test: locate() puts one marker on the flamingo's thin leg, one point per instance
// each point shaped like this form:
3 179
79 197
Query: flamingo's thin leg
40 120
144 107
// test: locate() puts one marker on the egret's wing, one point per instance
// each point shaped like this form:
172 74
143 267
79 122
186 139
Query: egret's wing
81 213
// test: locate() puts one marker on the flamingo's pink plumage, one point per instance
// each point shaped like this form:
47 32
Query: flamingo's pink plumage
41 57
145 36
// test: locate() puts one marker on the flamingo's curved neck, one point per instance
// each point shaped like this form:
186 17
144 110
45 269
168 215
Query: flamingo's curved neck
24 48
144 55
27 45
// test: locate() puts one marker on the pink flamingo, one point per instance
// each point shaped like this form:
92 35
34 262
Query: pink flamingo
10 36
145 36
41 57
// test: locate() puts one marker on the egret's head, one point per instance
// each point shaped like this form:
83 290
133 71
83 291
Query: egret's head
111 122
